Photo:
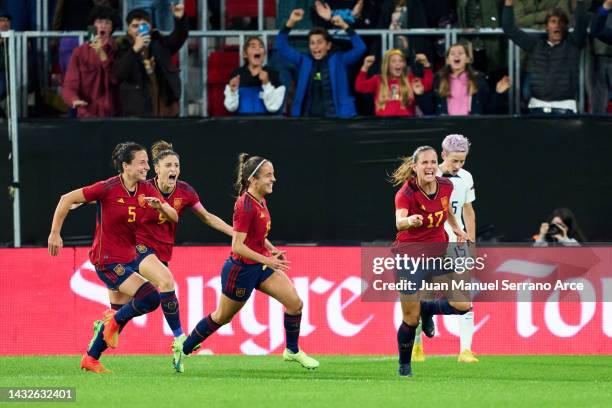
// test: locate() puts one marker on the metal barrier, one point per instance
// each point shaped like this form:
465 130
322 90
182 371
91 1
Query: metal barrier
17 84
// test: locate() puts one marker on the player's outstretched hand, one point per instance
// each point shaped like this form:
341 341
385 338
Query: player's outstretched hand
154 202
462 236
54 243
279 254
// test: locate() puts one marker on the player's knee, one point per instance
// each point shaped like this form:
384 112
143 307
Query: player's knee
411 317
220 317
461 307
294 307
147 298
166 284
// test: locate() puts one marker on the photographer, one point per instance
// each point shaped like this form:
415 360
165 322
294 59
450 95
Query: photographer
562 228
149 83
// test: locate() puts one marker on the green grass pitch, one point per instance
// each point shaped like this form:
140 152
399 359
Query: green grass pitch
340 381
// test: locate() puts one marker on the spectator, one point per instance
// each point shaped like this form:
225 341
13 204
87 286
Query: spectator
488 52
600 82
562 228
404 15
552 62
599 29
73 15
534 13
324 11
395 89
254 89
89 85
461 90
323 86
159 10
149 83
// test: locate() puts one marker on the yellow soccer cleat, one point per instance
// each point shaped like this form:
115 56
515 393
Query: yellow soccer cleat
418 355
467 356
302 358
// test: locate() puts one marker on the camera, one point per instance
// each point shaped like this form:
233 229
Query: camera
144 29
553 230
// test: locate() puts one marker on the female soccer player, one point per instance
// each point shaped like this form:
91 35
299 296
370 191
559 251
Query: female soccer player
121 202
394 89
253 264
421 208
455 149
155 238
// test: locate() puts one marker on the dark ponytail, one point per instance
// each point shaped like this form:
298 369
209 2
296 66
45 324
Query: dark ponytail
124 153
246 167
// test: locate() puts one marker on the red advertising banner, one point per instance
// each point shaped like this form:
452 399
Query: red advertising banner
49 304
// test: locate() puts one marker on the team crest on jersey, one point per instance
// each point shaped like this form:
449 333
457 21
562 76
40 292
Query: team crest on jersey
423 207
119 270
141 200
121 201
445 203
141 248
240 292
177 203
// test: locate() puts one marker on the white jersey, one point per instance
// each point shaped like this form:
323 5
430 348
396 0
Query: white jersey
463 193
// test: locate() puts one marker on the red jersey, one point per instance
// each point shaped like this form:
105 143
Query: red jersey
155 231
253 218
393 107
117 213
434 210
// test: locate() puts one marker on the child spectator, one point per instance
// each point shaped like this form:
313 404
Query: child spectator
323 86
254 89
89 85
461 90
394 89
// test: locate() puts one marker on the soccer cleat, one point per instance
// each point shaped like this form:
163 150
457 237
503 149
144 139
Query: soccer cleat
97 326
405 370
300 357
428 325
89 363
467 356
417 353
178 355
111 329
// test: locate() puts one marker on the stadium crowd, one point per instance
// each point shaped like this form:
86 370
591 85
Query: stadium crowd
333 72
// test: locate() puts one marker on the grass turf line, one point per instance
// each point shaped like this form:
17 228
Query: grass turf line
341 381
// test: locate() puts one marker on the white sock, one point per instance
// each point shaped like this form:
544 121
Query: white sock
466 330
418 337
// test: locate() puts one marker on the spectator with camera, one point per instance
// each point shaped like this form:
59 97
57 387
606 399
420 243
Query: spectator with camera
149 82
89 85
323 86
254 89
561 228
553 62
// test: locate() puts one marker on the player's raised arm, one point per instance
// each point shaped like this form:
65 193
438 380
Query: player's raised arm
61 211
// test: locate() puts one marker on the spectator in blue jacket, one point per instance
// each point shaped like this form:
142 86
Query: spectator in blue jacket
599 29
254 89
323 86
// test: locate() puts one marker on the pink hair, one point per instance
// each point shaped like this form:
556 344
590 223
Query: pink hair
456 144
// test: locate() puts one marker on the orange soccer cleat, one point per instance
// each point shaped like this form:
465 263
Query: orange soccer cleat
91 364
111 329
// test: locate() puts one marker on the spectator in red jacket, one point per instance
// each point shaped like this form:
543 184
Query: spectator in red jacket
89 85
395 89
